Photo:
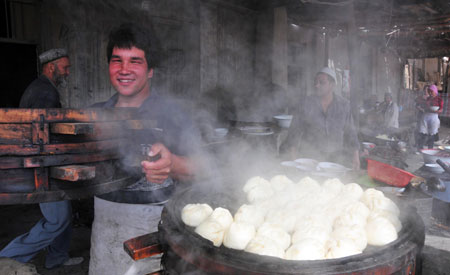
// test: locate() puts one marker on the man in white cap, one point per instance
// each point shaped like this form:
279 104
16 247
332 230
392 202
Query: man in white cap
43 91
322 127
53 232
388 110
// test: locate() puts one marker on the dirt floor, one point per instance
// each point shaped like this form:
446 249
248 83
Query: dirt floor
18 219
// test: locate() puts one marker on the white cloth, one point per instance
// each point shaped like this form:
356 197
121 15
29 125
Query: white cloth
429 124
115 223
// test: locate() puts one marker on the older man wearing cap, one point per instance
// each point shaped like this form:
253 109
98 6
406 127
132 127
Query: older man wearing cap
389 112
43 91
53 231
322 127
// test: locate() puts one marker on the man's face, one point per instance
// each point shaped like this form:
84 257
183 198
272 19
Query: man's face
387 98
323 85
61 71
129 72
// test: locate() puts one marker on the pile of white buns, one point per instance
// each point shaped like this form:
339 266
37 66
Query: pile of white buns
300 221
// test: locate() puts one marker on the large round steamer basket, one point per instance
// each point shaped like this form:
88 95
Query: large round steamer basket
185 251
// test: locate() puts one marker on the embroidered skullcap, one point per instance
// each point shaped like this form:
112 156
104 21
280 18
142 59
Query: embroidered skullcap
51 55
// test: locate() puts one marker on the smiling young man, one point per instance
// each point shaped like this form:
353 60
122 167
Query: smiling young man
130 76
132 54
322 127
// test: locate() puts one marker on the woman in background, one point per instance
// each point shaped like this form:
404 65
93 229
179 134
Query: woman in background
429 125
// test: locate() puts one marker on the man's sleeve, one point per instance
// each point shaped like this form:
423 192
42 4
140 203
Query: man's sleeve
293 139
350 134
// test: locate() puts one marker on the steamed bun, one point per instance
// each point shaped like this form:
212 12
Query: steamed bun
238 235
316 219
383 203
195 214
251 214
370 194
388 215
222 216
380 231
276 233
211 230
349 219
254 182
264 246
318 233
333 186
354 233
357 208
306 249
286 219
341 248
259 193
308 185
280 182
352 190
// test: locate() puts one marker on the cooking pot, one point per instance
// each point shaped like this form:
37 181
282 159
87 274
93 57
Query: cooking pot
186 251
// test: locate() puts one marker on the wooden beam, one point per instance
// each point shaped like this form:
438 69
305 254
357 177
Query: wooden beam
15 133
18 115
40 133
102 130
73 172
41 178
73 128
63 148
71 193
143 246
42 161
54 160
141 124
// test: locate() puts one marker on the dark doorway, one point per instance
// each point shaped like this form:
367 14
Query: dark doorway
19 68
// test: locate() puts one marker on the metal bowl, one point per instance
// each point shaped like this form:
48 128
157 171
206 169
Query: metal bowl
434 167
431 155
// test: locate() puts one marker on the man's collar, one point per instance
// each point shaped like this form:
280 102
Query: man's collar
113 100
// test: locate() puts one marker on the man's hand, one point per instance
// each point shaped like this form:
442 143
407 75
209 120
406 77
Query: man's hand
158 171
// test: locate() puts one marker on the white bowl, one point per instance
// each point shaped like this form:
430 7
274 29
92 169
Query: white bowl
368 145
284 121
289 163
306 164
331 167
220 132
434 108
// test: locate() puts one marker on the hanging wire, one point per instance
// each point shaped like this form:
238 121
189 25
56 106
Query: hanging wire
322 2
389 24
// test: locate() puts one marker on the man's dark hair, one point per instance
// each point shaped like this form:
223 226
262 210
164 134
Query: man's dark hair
130 35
